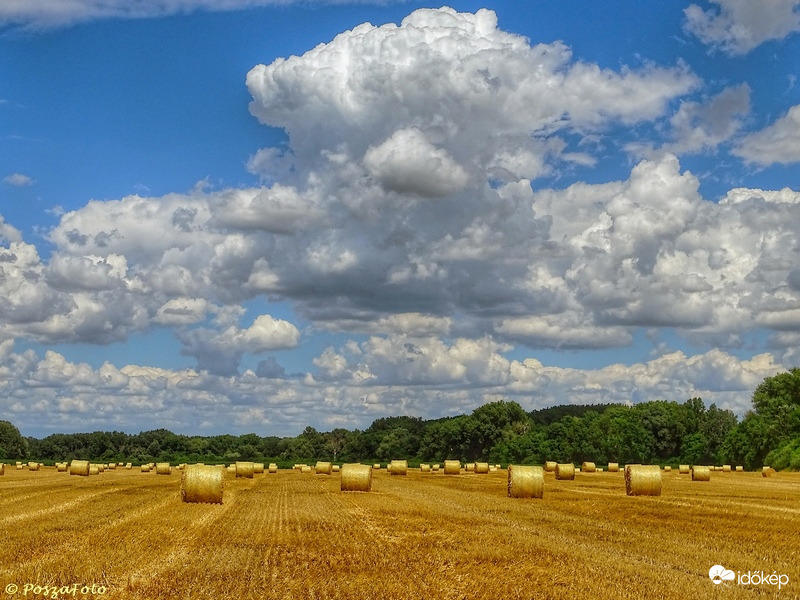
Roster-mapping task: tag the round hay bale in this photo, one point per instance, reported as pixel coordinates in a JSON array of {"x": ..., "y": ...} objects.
[
  {"x": 599, "y": 469},
  {"x": 683, "y": 469},
  {"x": 643, "y": 480},
  {"x": 565, "y": 471},
  {"x": 481, "y": 468},
  {"x": 452, "y": 467},
  {"x": 588, "y": 467},
  {"x": 273, "y": 468},
  {"x": 129, "y": 466},
  {"x": 356, "y": 478},
  {"x": 61, "y": 467},
  {"x": 492, "y": 468},
  {"x": 726, "y": 468},
  {"x": 33, "y": 466},
  {"x": 550, "y": 466},
  {"x": 258, "y": 468},
  {"x": 739, "y": 469},
  {"x": 377, "y": 466},
  {"x": 163, "y": 468},
  {"x": 701, "y": 473},
  {"x": 94, "y": 470},
  {"x": 244, "y": 469},
  {"x": 230, "y": 469},
  {"x": 202, "y": 484},
  {"x": 305, "y": 469},
  {"x": 79, "y": 467},
  {"x": 667, "y": 469},
  {"x": 335, "y": 468},
  {"x": 112, "y": 466},
  {"x": 398, "y": 467},
  {"x": 145, "y": 468},
  {"x": 20, "y": 467},
  {"x": 323, "y": 468},
  {"x": 613, "y": 467},
  {"x": 435, "y": 467},
  {"x": 767, "y": 472},
  {"x": 525, "y": 481},
  {"x": 469, "y": 468},
  {"x": 425, "y": 468}
]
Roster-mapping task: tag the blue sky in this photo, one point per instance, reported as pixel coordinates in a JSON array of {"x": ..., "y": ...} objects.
[{"x": 285, "y": 214}]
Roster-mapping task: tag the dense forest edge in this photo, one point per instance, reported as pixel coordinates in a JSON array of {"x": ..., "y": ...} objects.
[{"x": 657, "y": 432}]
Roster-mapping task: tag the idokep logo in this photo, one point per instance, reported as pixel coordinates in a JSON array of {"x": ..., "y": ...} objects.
[{"x": 720, "y": 575}]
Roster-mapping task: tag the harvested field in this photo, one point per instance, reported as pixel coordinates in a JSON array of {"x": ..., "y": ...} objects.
[{"x": 285, "y": 536}]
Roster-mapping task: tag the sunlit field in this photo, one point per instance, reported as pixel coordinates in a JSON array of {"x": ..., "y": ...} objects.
[{"x": 423, "y": 535}]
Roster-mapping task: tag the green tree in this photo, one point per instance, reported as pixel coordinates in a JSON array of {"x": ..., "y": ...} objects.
[{"x": 12, "y": 444}]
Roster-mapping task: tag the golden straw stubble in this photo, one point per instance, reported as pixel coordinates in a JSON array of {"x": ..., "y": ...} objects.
[
  {"x": 525, "y": 481},
  {"x": 565, "y": 471},
  {"x": 643, "y": 480},
  {"x": 356, "y": 477},
  {"x": 700, "y": 473},
  {"x": 202, "y": 484}
]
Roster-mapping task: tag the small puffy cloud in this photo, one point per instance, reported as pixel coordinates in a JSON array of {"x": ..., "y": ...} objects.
[
  {"x": 407, "y": 163},
  {"x": 17, "y": 180},
  {"x": 777, "y": 143},
  {"x": 697, "y": 127},
  {"x": 738, "y": 26},
  {"x": 219, "y": 352},
  {"x": 182, "y": 311}
]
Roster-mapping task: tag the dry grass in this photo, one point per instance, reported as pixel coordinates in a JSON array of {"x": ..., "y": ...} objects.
[{"x": 412, "y": 537}]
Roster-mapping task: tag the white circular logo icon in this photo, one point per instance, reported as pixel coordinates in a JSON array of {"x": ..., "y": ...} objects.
[{"x": 718, "y": 574}]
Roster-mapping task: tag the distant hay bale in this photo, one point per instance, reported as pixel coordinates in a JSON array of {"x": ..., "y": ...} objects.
[
  {"x": 767, "y": 472},
  {"x": 492, "y": 468},
  {"x": 481, "y": 468},
  {"x": 61, "y": 467},
  {"x": 112, "y": 466},
  {"x": 273, "y": 468},
  {"x": 613, "y": 467},
  {"x": 643, "y": 480},
  {"x": 129, "y": 466},
  {"x": 565, "y": 471},
  {"x": 588, "y": 467},
  {"x": 425, "y": 468},
  {"x": 163, "y": 468},
  {"x": 79, "y": 467},
  {"x": 20, "y": 467},
  {"x": 377, "y": 466},
  {"x": 599, "y": 469},
  {"x": 435, "y": 467},
  {"x": 726, "y": 468},
  {"x": 550, "y": 466},
  {"x": 100, "y": 468},
  {"x": 33, "y": 466},
  {"x": 201, "y": 484},
  {"x": 335, "y": 468},
  {"x": 145, "y": 468},
  {"x": 667, "y": 468},
  {"x": 739, "y": 469},
  {"x": 94, "y": 470},
  {"x": 258, "y": 468},
  {"x": 230, "y": 469},
  {"x": 683, "y": 469},
  {"x": 525, "y": 481},
  {"x": 701, "y": 473},
  {"x": 398, "y": 467},
  {"x": 356, "y": 478},
  {"x": 323, "y": 467},
  {"x": 469, "y": 468},
  {"x": 452, "y": 467},
  {"x": 305, "y": 469},
  {"x": 244, "y": 469}
]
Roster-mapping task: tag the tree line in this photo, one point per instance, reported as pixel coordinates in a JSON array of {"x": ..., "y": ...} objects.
[{"x": 656, "y": 432}]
